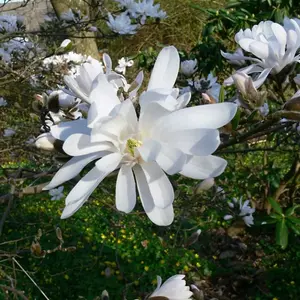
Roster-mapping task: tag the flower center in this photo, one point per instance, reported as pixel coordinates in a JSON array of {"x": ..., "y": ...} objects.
[{"x": 132, "y": 144}]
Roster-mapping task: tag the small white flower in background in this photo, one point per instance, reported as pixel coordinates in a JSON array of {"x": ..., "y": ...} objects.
[
  {"x": 121, "y": 24},
  {"x": 8, "y": 132},
  {"x": 264, "y": 110},
  {"x": 173, "y": 288},
  {"x": 245, "y": 208},
  {"x": 65, "y": 43},
  {"x": 228, "y": 217},
  {"x": 207, "y": 85},
  {"x": 297, "y": 79},
  {"x": 273, "y": 46},
  {"x": 3, "y": 102},
  {"x": 123, "y": 64},
  {"x": 248, "y": 220},
  {"x": 30, "y": 141},
  {"x": 57, "y": 194},
  {"x": 188, "y": 67},
  {"x": 146, "y": 8},
  {"x": 245, "y": 211}
]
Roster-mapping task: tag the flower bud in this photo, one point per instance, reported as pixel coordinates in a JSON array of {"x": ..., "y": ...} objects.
[
  {"x": 188, "y": 67},
  {"x": 65, "y": 43},
  {"x": 249, "y": 96},
  {"x": 45, "y": 141},
  {"x": 293, "y": 104},
  {"x": 204, "y": 185}
]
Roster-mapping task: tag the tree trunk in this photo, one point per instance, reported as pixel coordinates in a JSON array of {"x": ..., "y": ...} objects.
[{"x": 86, "y": 44}]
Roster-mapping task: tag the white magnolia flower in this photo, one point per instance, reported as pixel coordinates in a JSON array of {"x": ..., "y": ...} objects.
[
  {"x": 57, "y": 194},
  {"x": 245, "y": 211},
  {"x": 123, "y": 64},
  {"x": 274, "y": 47},
  {"x": 8, "y": 132},
  {"x": 121, "y": 24},
  {"x": 166, "y": 138},
  {"x": 188, "y": 67},
  {"x": 146, "y": 8},
  {"x": 264, "y": 110},
  {"x": 130, "y": 5},
  {"x": 3, "y": 102},
  {"x": 65, "y": 43},
  {"x": 81, "y": 83},
  {"x": 174, "y": 288}
]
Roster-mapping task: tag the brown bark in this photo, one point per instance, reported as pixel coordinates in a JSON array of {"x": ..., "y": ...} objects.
[{"x": 86, "y": 44}]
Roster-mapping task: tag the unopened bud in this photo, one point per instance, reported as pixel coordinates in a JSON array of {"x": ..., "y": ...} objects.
[
  {"x": 65, "y": 43},
  {"x": 249, "y": 96},
  {"x": 204, "y": 185},
  {"x": 293, "y": 104},
  {"x": 45, "y": 141}
]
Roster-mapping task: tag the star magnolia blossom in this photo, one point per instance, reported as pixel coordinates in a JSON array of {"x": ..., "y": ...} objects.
[
  {"x": 57, "y": 194},
  {"x": 273, "y": 45},
  {"x": 166, "y": 138},
  {"x": 174, "y": 288},
  {"x": 81, "y": 83},
  {"x": 121, "y": 24}
]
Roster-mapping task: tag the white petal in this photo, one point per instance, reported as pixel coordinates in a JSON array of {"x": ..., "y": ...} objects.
[
  {"x": 171, "y": 160},
  {"x": 125, "y": 190},
  {"x": 200, "y": 142},
  {"x": 159, "y": 216},
  {"x": 149, "y": 117},
  {"x": 165, "y": 70},
  {"x": 260, "y": 49},
  {"x": 159, "y": 185},
  {"x": 107, "y": 62},
  {"x": 72, "y": 168},
  {"x": 103, "y": 98},
  {"x": 202, "y": 167},
  {"x": 203, "y": 116},
  {"x": 184, "y": 100},
  {"x": 84, "y": 188},
  {"x": 64, "y": 129},
  {"x": 80, "y": 144},
  {"x": 75, "y": 88}
]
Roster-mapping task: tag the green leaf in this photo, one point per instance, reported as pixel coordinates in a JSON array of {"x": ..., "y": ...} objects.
[
  {"x": 275, "y": 205},
  {"x": 282, "y": 234},
  {"x": 294, "y": 227},
  {"x": 291, "y": 210},
  {"x": 294, "y": 219},
  {"x": 235, "y": 121},
  {"x": 222, "y": 94}
]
